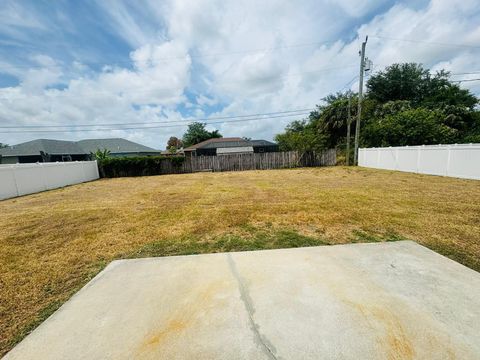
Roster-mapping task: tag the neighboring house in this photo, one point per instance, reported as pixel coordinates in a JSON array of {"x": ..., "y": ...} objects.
[
  {"x": 45, "y": 150},
  {"x": 228, "y": 146},
  {"x": 178, "y": 152},
  {"x": 118, "y": 147}
]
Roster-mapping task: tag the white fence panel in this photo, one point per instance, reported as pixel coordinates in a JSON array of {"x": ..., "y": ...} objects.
[
  {"x": 433, "y": 160},
  {"x": 386, "y": 159},
  {"x": 22, "y": 179},
  {"x": 8, "y": 185},
  {"x": 407, "y": 159},
  {"x": 29, "y": 179},
  {"x": 464, "y": 162},
  {"x": 461, "y": 161}
]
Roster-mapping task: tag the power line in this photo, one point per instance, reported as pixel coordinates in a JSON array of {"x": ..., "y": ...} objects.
[
  {"x": 149, "y": 127},
  {"x": 465, "y": 80},
  {"x": 166, "y": 59},
  {"x": 465, "y": 73},
  {"x": 286, "y": 112},
  {"x": 426, "y": 42}
]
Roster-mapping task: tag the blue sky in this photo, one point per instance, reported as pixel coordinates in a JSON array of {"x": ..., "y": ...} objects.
[{"x": 104, "y": 62}]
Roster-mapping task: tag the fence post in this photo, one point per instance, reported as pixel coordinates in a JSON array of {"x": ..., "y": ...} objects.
[
  {"x": 447, "y": 168},
  {"x": 419, "y": 152},
  {"x": 82, "y": 164},
  {"x": 15, "y": 180}
]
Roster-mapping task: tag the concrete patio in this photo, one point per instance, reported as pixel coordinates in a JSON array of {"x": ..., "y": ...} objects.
[{"x": 394, "y": 300}]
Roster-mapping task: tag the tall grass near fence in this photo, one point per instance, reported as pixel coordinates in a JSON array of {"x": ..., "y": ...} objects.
[{"x": 160, "y": 165}]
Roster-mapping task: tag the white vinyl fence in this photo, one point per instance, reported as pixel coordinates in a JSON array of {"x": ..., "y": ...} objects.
[
  {"x": 458, "y": 160},
  {"x": 22, "y": 179}
]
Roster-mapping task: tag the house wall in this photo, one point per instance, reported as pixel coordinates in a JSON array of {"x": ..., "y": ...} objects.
[
  {"x": 235, "y": 150},
  {"x": 135, "y": 154},
  {"x": 206, "y": 152},
  {"x": 264, "y": 149},
  {"x": 22, "y": 179},
  {"x": 9, "y": 160}
]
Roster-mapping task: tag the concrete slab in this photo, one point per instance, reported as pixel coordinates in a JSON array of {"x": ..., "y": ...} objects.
[{"x": 364, "y": 301}]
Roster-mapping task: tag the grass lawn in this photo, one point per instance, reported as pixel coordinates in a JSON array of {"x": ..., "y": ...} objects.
[{"x": 52, "y": 243}]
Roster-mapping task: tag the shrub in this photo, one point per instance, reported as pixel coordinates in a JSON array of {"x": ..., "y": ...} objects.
[{"x": 140, "y": 166}]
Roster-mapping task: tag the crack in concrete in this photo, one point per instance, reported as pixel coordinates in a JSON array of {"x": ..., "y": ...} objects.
[{"x": 267, "y": 347}]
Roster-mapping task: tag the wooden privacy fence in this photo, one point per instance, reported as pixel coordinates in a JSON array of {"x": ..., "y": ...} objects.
[
  {"x": 260, "y": 161},
  {"x": 234, "y": 162}
]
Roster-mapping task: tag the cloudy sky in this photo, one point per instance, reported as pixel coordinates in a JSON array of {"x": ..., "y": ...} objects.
[{"x": 67, "y": 66}]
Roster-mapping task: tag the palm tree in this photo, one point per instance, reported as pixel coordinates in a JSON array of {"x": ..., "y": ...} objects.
[{"x": 101, "y": 154}]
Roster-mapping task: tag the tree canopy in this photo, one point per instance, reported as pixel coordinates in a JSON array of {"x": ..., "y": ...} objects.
[
  {"x": 174, "y": 143},
  {"x": 404, "y": 105},
  {"x": 2, "y": 145},
  {"x": 197, "y": 132}
]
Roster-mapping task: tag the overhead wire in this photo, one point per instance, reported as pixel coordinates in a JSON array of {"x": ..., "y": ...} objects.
[
  {"x": 149, "y": 127},
  {"x": 292, "y": 112}
]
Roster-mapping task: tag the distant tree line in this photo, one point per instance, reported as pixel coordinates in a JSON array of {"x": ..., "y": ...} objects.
[{"x": 404, "y": 105}]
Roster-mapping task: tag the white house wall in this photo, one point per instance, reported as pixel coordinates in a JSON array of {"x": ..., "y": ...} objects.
[{"x": 234, "y": 150}]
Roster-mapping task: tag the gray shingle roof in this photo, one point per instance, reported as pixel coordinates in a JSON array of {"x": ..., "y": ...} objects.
[
  {"x": 262, "y": 143},
  {"x": 114, "y": 145},
  {"x": 53, "y": 147},
  {"x": 228, "y": 142}
]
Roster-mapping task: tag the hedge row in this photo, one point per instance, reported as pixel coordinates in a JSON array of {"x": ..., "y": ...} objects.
[{"x": 140, "y": 166}]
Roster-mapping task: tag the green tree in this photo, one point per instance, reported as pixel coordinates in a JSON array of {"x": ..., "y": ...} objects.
[
  {"x": 330, "y": 118},
  {"x": 101, "y": 154},
  {"x": 173, "y": 144},
  {"x": 404, "y": 105},
  {"x": 2, "y": 145},
  {"x": 197, "y": 133},
  {"x": 300, "y": 135},
  {"x": 418, "y": 126},
  {"x": 411, "y": 82}
]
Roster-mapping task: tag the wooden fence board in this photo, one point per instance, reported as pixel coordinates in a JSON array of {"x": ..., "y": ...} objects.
[{"x": 258, "y": 161}]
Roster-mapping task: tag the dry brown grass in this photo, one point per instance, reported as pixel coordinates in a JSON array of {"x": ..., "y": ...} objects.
[{"x": 52, "y": 243}]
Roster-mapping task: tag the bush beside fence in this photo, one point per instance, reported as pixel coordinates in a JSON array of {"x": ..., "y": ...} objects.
[
  {"x": 141, "y": 166},
  {"x": 160, "y": 165}
]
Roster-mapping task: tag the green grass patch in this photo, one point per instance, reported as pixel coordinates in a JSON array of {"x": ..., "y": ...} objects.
[
  {"x": 249, "y": 238},
  {"x": 360, "y": 236}
]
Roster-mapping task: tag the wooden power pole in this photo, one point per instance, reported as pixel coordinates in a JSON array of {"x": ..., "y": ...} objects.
[
  {"x": 360, "y": 97},
  {"x": 349, "y": 121}
]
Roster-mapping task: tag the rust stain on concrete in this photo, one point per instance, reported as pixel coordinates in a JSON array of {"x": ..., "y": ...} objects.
[
  {"x": 172, "y": 328},
  {"x": 182, "y": 318},
  {"x": 397, "y": 341},
  {"x": 389, "y": 319}
]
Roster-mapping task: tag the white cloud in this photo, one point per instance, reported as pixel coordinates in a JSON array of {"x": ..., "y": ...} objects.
[{"x": 207, "y": 48}]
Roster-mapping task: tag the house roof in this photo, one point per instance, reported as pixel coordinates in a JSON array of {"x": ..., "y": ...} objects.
[
  {"x": 213, "y": 143},
  {"x": 83, "y": 147},
  {"x": 114, "y": 145},
  {"x": 228, "y": 142},
  {"x": 262, "y": 143},
  {"x": 53, "y": 147}
]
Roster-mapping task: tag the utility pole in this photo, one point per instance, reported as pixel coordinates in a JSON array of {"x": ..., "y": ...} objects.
[
  {"x": 349, "y": 120},
  {"x": 360, "y": 96}
]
